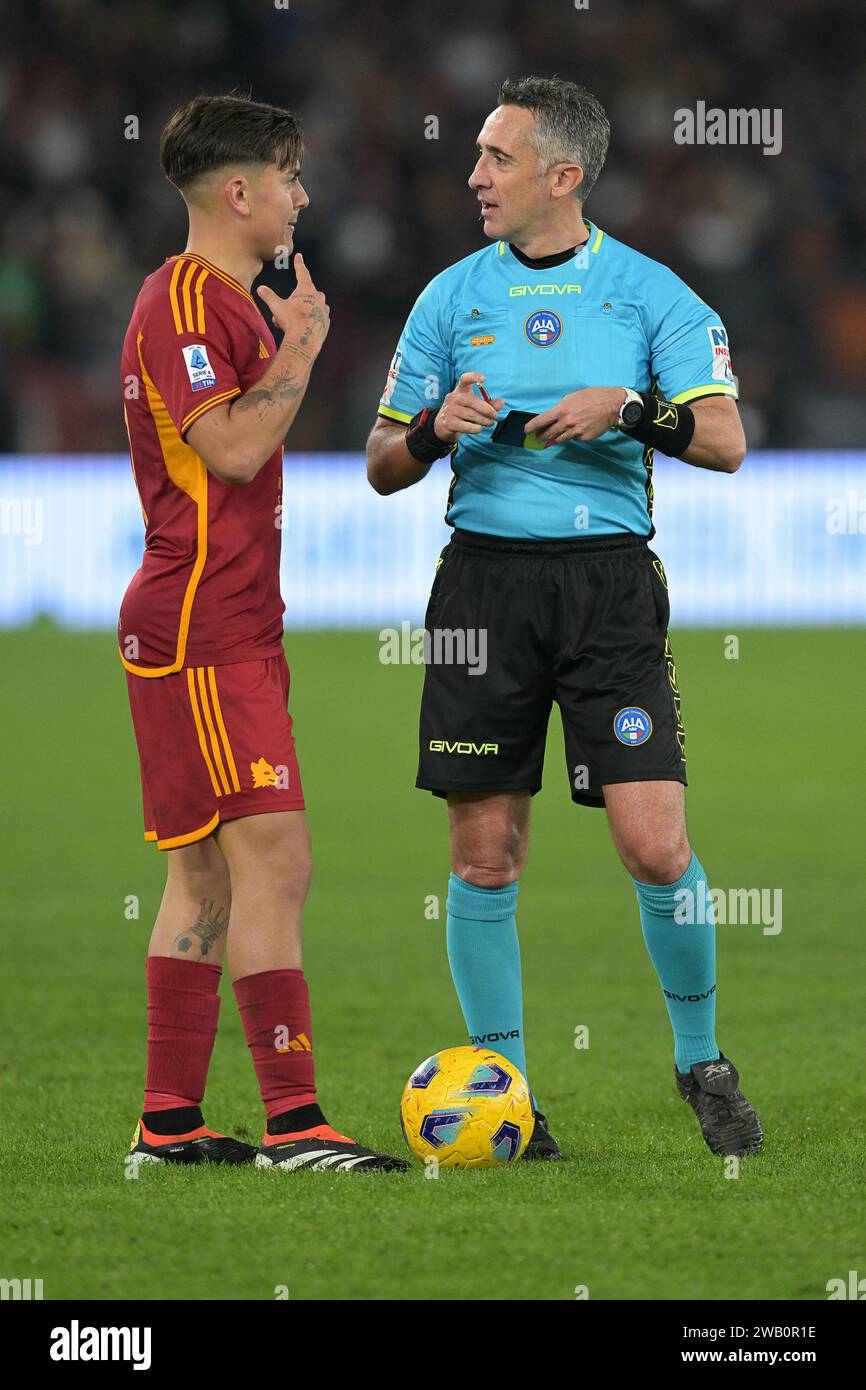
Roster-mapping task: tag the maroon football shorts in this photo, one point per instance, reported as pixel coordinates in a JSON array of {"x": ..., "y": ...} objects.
[{"x": 215, "y": 743}]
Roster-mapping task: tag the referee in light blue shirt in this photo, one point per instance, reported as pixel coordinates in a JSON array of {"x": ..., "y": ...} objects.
[{"x": 551, "y": 365}]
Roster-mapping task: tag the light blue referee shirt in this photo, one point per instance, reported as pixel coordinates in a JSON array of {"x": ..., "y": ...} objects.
[{"x": 603, "y": 316}]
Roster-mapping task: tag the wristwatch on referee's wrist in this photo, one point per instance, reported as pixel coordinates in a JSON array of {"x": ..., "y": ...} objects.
[{"x": 631, "y": 411}]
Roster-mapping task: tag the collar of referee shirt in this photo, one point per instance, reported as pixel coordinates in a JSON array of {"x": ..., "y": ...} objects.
[{"x": 545, "y": 262}]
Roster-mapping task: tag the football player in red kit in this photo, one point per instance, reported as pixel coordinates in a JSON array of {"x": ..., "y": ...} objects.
[{"x": 209, "y": 399}]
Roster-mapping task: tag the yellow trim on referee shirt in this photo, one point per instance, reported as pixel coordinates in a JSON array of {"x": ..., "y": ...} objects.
[
  {"x": 599, "y": 237},
  {"x": 399, "y": 415},
  {"x": 684, "y": 396}
]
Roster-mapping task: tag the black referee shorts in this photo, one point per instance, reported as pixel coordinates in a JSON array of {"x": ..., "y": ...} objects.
[{"x": 513, "y": 626}]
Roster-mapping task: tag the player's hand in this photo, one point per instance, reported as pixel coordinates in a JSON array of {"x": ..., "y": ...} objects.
[
  {"x": 581, "y": 415},
  {"x": 304, "y": 318},
  {"x": 463, "y": 411}
]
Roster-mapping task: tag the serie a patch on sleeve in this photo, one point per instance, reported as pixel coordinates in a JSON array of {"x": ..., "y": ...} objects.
[{"x": 201, "y": 373}]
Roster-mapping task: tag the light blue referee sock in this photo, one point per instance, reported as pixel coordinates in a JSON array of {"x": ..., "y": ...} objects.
[
  {"x": 684, "y": 955},
  {"x": 484, "y": 955}
]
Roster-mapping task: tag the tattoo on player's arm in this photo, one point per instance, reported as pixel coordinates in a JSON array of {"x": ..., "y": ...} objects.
[
  {"x": 295, "y": 350},
  {"x": 211, "y": 923},
  {"x": 283, "y": 388}
]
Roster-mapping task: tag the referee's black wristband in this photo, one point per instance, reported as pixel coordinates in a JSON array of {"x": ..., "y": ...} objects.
[
  {"x": 663, "y": 425},
  {"x": 422, "y": 441}
]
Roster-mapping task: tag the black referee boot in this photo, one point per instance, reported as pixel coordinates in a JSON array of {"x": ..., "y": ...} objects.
[
  {"x": 541, "y": 1142},
  {"x": 728, "y": 1122}
]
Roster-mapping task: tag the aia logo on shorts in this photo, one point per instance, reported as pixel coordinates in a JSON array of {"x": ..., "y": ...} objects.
[
  {"x": 632, "y": 725},
  {"x": 543, "y": 328}
]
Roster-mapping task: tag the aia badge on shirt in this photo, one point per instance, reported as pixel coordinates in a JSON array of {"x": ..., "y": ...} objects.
[
  {"x": 543, "y": 328},
  {"x": 201, "y": 373},
  {"x": 632, "y": 725}
]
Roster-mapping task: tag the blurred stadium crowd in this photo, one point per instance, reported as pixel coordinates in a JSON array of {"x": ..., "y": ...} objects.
[{"x": 775, "y": 243}]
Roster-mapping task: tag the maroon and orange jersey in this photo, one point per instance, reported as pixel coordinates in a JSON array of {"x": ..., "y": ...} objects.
[{"x": 208, "y": 590}]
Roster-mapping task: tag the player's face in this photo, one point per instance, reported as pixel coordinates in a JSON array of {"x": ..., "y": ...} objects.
[
  {"x": 277, "y": 198},
  {"x": 513, "y": 195}
]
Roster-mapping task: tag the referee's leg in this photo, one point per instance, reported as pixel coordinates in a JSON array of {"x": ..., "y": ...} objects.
[
  {"x": 489, "y": 836},
  {"x": 648, "y": 825},
  {"x": 489, "y": 840}
]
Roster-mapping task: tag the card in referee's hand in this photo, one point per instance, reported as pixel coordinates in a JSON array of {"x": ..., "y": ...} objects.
[{"x": 511, "y": 430}]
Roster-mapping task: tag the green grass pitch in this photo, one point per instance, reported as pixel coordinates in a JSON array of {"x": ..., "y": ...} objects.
[{"x": 641, "y": 1209}]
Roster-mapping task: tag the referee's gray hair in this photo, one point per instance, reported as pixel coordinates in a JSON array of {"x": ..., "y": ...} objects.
[{"x": 571, "y": 125}]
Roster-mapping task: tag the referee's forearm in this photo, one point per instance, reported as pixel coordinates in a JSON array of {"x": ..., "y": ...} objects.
[
  {"x": 390, "y": 466},
  {"x": 718, "y": 442},
  {"x": 718, "y": 456}
]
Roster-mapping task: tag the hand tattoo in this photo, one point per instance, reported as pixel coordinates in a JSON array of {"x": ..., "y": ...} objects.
[{"x": 316, "y": 322}]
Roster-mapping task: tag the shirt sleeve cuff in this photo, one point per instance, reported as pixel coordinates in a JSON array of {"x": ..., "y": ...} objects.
[
  {"x": 204, "y": 406},
  {"x": 399, "y": 415},
  {"x": 683, "y": 397}
]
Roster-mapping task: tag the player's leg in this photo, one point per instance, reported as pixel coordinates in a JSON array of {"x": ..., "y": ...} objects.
[
  {"x": 183, "y": 970},
  {"x": 193, "y": 916},
  {"x": 264, "y": 838},
  {"x": 648, "y": 825},
  {"x": 186, "y": 946},
  {"x": 270, "y": 865}
]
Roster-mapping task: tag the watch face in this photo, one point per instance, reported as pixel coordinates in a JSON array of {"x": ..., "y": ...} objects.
[{"x": 632, "y": 412}]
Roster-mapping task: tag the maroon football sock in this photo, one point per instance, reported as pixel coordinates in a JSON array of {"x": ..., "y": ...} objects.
[
  {"x": 182, "y": 1011},
  {"x": 275, "y": 1009}
]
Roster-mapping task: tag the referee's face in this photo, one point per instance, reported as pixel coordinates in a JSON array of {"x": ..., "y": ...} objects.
[{"x": 515, "y": 199}]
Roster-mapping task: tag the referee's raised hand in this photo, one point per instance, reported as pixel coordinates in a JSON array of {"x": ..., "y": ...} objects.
[{"x": 463, "y": 411}]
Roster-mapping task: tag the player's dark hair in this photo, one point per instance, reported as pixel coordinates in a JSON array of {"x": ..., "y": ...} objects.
[
  {"x": 571, "y": 125},
  {"x": 210, "y": 132}
]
